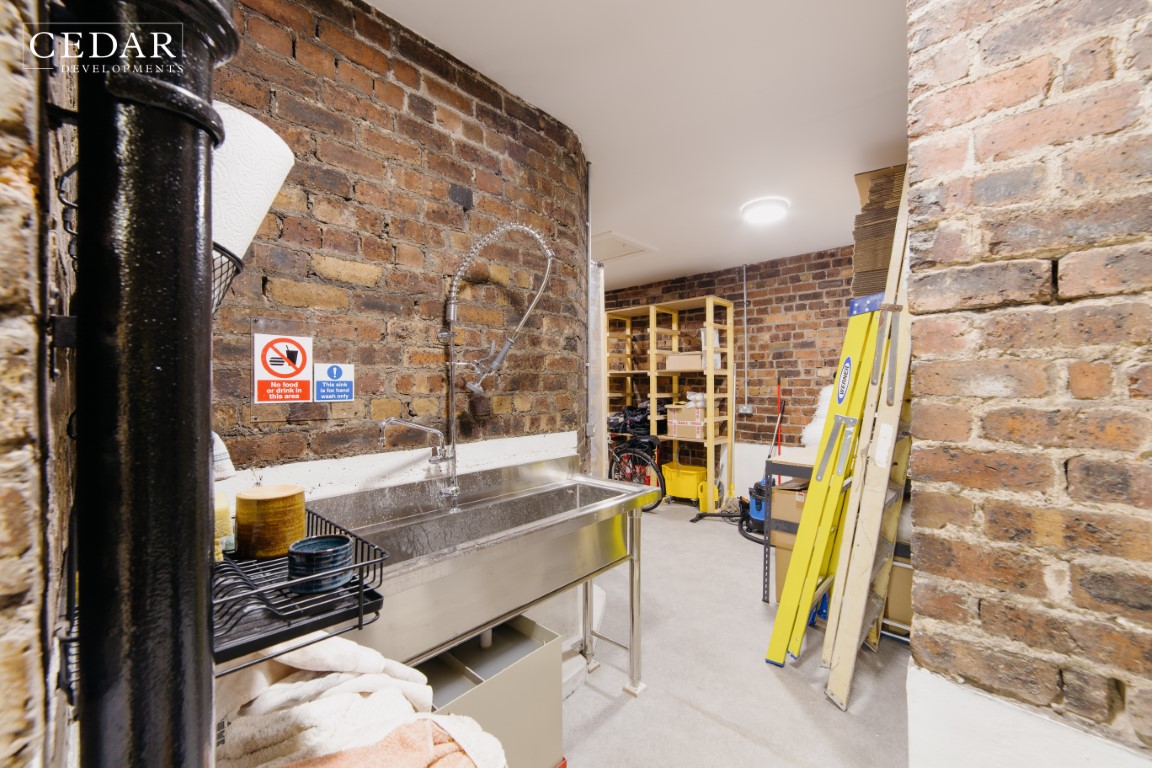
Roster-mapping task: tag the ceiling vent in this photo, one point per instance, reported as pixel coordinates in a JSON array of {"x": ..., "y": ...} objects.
[{"x": 609, "y": 246}]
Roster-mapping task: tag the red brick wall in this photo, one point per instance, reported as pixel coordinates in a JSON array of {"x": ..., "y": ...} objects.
[
  {"x": 23, "y": 663},
  {"x": 797, "y": 313},
  {"x": 363, "y": 239},
  {"x": 1031, "y": 171}
]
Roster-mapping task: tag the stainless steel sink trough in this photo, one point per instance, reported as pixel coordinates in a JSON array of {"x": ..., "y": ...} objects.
[{"x": 517, "y": 536}]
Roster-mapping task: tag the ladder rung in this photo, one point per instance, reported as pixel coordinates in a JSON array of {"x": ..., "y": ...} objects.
[
  {"x": 822, "y": 587},
  {"x": 895, "y": 492},
  {"x": 884, "y": 552},
  {"x": 871, "y": 615}
]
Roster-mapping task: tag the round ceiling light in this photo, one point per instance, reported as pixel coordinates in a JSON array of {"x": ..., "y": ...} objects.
[{"x": 764, "y": 210}]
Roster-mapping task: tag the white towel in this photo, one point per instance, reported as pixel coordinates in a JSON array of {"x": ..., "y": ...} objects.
[
  {"x": 339, "y": 654},
  {"x": 296, "y": 689},
  {"x": 418, "y": 695},
  {"x": 235, "y": 690},
  {"x": 326, "y": 725},
  {"x": 326, "y": 697}
]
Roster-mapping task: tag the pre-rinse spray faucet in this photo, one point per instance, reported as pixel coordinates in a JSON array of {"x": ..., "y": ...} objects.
[{"x": 486, "y": 366}]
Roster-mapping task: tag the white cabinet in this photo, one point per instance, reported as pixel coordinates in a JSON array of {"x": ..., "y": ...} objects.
[{"x": 513, "y": 689}]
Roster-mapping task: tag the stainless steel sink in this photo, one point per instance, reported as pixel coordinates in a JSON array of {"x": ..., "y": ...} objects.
[
  {"x": 518, "y": 535},
  {"x": 479, "y": 521}
]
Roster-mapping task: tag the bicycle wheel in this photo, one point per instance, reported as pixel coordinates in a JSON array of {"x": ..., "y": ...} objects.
[{"x": 635, "y": 466}]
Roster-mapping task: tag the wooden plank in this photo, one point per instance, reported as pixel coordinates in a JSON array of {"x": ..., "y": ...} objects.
[
  {"x": 872, "y": 401},
  {"x": 886, "y": 462}
]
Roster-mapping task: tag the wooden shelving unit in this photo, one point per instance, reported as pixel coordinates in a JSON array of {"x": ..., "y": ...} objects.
[{"x": 639, "y": 340}]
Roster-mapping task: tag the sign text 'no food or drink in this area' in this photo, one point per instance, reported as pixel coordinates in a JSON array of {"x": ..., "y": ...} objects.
[{"x": 282, "y": 368}]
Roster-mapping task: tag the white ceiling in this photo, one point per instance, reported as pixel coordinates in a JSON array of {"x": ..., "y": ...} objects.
[{"x": 686, "y": 110}]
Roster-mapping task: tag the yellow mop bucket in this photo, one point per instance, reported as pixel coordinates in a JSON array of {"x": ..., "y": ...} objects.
[{"x": 687, "y": 482}]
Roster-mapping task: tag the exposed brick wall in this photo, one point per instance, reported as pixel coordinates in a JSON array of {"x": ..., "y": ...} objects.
[
  {"x": 797, "y": 313},
  {"x": 21, "y": 579},
  {"x": 362, "y": 241},
  {"x": 1031, "y": 214}
]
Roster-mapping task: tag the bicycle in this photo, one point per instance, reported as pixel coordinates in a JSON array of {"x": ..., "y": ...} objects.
[{"x": 635, "y": 459}]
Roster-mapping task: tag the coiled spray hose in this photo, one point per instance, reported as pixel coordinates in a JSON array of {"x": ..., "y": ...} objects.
[{"x": 451, "y": 309}]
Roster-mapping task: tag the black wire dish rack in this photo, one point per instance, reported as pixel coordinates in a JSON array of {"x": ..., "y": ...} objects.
[
  {"x": 225, "y": 266},
  {"x": 254, "y": 607}
]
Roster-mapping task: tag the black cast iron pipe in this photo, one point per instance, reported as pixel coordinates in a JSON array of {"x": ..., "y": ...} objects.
[{"x": 143, "y": 399}]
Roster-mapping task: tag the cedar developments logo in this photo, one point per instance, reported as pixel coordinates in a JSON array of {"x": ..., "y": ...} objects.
[{"x": 105, "y": 47}]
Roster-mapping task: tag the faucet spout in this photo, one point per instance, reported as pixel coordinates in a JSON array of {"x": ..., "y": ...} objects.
[{"x": 441, "y": 453}]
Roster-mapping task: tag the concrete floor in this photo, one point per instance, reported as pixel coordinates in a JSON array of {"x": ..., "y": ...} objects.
[{"x": 710, "y": 699}]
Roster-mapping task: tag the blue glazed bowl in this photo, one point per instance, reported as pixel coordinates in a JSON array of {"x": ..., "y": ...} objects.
[{"x": 319, "y": 556}]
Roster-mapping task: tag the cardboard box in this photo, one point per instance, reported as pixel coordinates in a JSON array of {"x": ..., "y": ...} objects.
[
  {"x": 787, "y": 507},
  {"x": 687, "y": 430},
  {"x": 686, "y": 413},
  {"x": 684, "y": 361},
  {"x": 899, "y": 607}
]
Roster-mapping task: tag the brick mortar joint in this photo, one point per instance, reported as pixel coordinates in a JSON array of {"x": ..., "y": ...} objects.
[
  {"x": 1120, "y": 30},
  {"x": 990, "y": 641},
  {"x": 981, "y": 444},
  {"x": 1047, "y": 556},
  {"x": 1058, "y": 497},
  {"x": 1118, "y": 357},
  {"x": 1106, "y": 302},
  {"x": 935, "y": 6},
  {"x": 977, "y": 538},
  {"x": 975, "y": 217},
  {"x": 978, "y": 407},
  {"x": 1024, "y": 157}
]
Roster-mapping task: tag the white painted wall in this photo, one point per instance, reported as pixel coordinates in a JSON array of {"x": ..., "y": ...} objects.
[
  {"x": 956, "y": 726},
  {"x": 748, "y": 468}
]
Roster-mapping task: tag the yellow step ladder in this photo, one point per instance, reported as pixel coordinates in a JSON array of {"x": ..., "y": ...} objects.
[
  {"x": 810, "y": 572},
  {"x": 830, "y": 511}
]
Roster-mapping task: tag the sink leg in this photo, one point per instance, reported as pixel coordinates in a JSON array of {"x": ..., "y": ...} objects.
[
  {"x": 588, "y": 650},
  {"x": 634, "y": 685}
]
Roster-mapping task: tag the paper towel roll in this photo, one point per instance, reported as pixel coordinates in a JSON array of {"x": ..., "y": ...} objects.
[{"x": 247, "y": 172}]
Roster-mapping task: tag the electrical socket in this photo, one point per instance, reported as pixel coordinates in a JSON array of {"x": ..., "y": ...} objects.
[{"x": 744, "y": 409}]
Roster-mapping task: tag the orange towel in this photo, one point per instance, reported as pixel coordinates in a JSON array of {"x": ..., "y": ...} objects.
[{"x": 418, "y": 744}]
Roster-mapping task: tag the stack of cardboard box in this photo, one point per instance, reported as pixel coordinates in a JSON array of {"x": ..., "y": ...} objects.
[
  {"x": 687, "y": 421},
  {"x": 786, "y": 510},
  {"x": 875, "y": 228}
]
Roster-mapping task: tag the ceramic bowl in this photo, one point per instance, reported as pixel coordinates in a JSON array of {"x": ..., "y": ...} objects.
[{"x": 321, "y": 556}]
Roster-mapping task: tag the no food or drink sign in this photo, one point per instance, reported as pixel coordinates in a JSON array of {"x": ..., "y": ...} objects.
[{"x": 282, "y": 368}]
